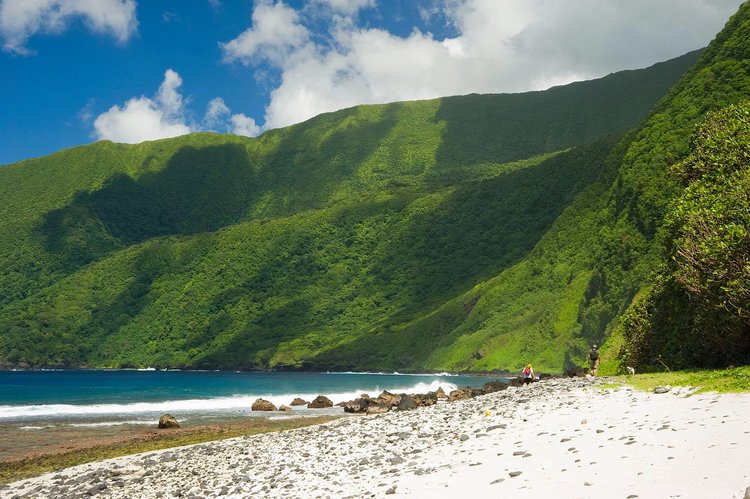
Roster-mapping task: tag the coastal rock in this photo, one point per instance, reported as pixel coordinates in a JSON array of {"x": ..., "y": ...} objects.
[
  {"x": 378, "y": 408},
  {"x": 355, "y": 406},
  {"x": 441, "y": 395},
  {"x": 425, "y": 400},
  {"x": 406, "y": 403},
  {"x": 662, "y": 389},
  {"x": 298, "y": 401},
  {"x": 460, "y": 394},
  {"x": 168, "y": 421},
  {"x": 285, "y": 408},
  {"x": 388, "y": 399},
  {"x": 494, "y": 386},
  {"x": 263, "y": 405},
  {"x": 320, "y": 402}
]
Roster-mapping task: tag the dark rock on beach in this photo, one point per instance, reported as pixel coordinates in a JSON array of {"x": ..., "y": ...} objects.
[
  {"x": 388, "y": 398},
  {"x": 356, "y": 406},
  {"x": 424, "y": 400},
  {"x": 407, "y": 403},
  {"x": 168, "y": 421},
  {"x": 460, "y": 394},
  {"x": 320, "y": 402},
  {"x": 263, "y": 405},
  {"x": 494, "y": 386},
  {"x": 298, "y": 401}
]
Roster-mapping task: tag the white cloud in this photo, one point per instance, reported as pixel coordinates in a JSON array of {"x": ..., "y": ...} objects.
[
  {"x": 347, "y": 8},
  {"x": 22, "y": 19},
  {"x": 501, "y": 46},
  {"x": 244, "y": 125},
  {"x": 165, "y": 115},
  {"x": 276, "y": 32},
  {"x": 143, "y": 118},
  {"x": 216, "y": 112}
]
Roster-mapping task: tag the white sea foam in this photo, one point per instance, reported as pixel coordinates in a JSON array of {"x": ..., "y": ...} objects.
[
  {"x": 112, "y": 423},
  {"x": 237, "y": 403}
]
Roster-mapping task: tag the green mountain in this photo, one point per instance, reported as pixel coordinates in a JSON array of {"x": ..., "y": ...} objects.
[{"x": 473, "y": 232}]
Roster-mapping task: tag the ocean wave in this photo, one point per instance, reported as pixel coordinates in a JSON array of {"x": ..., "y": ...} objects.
[{"x": 236, "y": 403}]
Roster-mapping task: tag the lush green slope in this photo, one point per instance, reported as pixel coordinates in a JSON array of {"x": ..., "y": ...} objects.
[
  {"x": 583, "y": 274},
  {"x": 698, "y": 311},
  {"x": 446, "y": 233}
]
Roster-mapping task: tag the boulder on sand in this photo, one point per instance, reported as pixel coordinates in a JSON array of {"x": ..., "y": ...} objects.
[
  {"x": 406, "y": 403},
  {"x": 357, "y": 405},
  {"x": 460, "y": 394},
  {"x": 320, "y": 402},
  {"x": 285, "y": 408},
  {"x": 388, "y": 398},
  {"x": 424, "y": 400},
  {"x": 263, "y": 405},
  {"x": 298, "y": 401},
  {"x": 378, "y": 408},
  {"x": 441, "y": 393},
  {"x": 168, "y": 421},
  {"x": 494, "y": 386}
]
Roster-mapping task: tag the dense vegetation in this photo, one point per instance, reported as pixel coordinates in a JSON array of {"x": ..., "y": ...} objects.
[
  {"x": 474, "y": 232},
  {"x": 697, "y": 311}
]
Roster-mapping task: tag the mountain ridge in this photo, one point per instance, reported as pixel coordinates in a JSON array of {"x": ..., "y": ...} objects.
[{"x": 334, "y": 243}]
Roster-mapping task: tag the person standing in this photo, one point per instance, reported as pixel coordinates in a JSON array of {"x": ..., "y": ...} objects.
[
  {"x": 528, "y": 374},
  {"x": 593, "y": 360}
]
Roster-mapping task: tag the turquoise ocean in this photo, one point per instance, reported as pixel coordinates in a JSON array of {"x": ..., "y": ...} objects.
[{"x": 93, "y": 398}]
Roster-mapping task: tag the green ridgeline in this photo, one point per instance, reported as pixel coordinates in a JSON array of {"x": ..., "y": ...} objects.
[{"x": 461, "y": 233}]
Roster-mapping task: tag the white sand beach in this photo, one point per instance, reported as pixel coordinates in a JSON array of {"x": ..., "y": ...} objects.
[{"x": 557, "y": 438}]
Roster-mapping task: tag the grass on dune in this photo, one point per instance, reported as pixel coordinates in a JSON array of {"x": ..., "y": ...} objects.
[{"x": 732, "y": 380}]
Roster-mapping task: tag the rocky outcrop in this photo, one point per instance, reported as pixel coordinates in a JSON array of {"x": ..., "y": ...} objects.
[
  {"x": 378, "y": 408},
  {"x": 427, "y": 399},
  {"x": 168, "y": 421},
  {"x": 320, "y": 402},
  {"x": 460, "y": 394},
  {"x": 285, "y": 408},
  {"x": 441, "y": 395},
  {"x": 263, "y": 405},
  {"x": 298, "y": 401},
  {"x": 388, "y": 398},
  {"x": 494, "y": 386},
  {"x": 406, "y": 403},
  {"x": 357, "y": 406}
]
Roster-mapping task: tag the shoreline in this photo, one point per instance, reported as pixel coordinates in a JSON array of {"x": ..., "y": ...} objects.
[
  {"x": 42, "y": 459},
  {"x": 573, "y": 436}
]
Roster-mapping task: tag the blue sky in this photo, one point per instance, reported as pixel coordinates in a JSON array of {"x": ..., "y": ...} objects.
[{"x": 75, "y": 71}]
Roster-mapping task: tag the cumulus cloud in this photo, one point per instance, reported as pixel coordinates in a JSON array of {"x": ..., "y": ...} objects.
[
  {"x": 244, "y": 125},
  {"x": 501, "y": 46},
  {"x": 216, "y": 113},
  {"x": 143, "y": 118},
  {"x": 276, "y": 33},
  {"x": 22, "y": 19},
  {"x": 347, "y": 8},
  {"x": 166, "y": 115}
]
